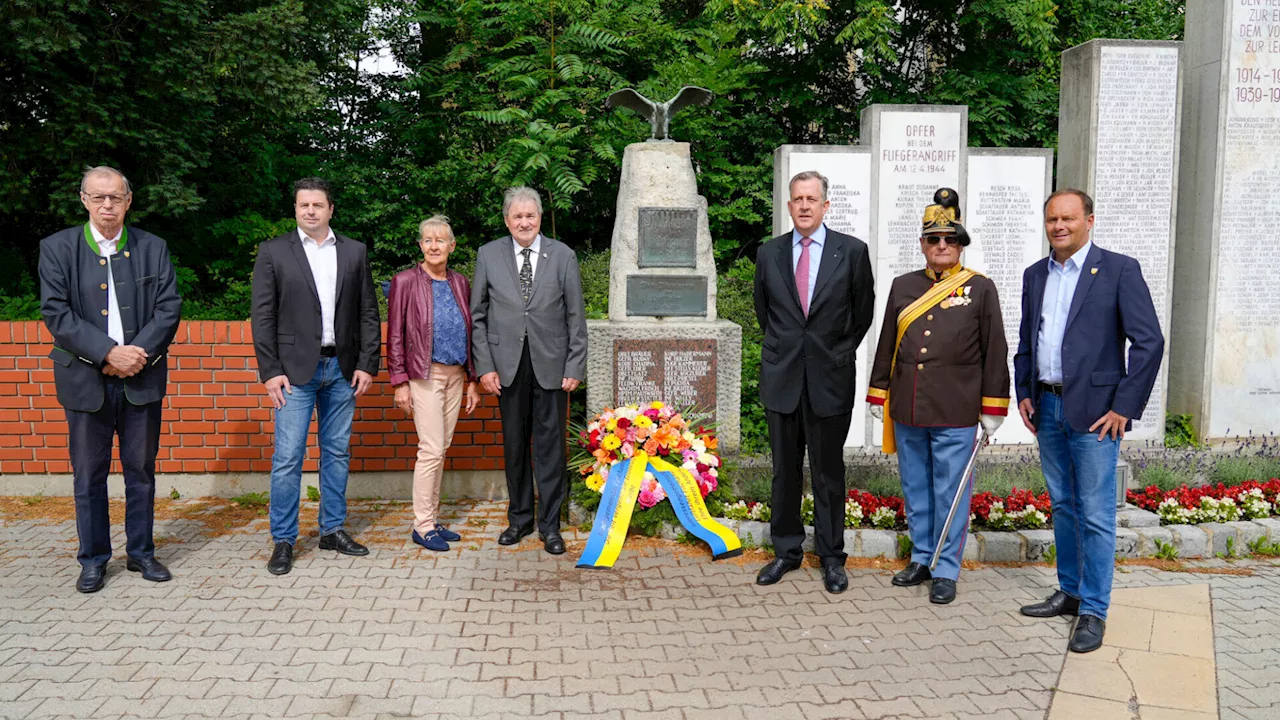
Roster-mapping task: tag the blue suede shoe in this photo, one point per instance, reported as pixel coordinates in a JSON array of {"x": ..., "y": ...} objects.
[
  {"x": 432, "y": 541},
  {"x": 447, "y": 534}
]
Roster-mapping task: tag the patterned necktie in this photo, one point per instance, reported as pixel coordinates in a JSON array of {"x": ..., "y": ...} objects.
[
  {"x": 526, "y": 275},
  {"x": 802, "y": 275}
]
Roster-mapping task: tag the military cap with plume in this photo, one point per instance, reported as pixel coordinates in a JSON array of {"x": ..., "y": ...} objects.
[{"x": 943, "y": 216}]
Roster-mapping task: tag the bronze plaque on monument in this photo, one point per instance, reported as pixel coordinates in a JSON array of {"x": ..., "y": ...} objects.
[
  {"x": 666, "y": 295},
  {"x": 668, "y": 237},
  {"x": 681, "y": 373}
]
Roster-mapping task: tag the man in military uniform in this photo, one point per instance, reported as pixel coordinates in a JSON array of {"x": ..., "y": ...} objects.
[
  {"x": 941, "y": 367},
  {"x": 109, "y": 297}
]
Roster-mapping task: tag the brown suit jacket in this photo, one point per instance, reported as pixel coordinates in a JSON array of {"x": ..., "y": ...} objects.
[{"x": 953, "y": 363}]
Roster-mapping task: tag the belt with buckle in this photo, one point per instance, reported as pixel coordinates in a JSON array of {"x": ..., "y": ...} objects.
[
  {"x": 328, "y": 351},
  {"x": 1051, "y": 388}
]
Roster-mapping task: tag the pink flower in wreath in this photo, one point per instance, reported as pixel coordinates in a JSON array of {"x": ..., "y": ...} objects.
[
  {"x": 628, "y": 449},
  {"x": 647, "y": 499},
  {"x": 653, "y": 414}
]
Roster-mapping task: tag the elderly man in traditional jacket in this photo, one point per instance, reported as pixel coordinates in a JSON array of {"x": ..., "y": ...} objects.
[
  {"x": 941, "y": 367},
  {"x": 109, "y": 297}
]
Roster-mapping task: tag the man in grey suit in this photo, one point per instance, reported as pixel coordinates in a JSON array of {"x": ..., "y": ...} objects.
[
  {"x": 529, "y": 343},
  {"x": 109, "y": 296}
]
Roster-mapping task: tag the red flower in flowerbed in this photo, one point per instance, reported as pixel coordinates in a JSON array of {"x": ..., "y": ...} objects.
[
  {"x": 1017, "y": 501},
  {"x": 870, "y": 503},
  {"x": 1150, "y": 497}
]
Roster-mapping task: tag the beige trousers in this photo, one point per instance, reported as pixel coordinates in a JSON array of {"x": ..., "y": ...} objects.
[{"x": 436, "y": 402}]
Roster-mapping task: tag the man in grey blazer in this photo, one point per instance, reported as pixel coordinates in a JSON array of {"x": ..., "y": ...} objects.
[
  {"x": 529, "y": 343},
  {"x": 109, "y": 296}
]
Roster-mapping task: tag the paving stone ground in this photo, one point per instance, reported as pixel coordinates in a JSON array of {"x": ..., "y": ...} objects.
[{"x": 484, "y": 631}]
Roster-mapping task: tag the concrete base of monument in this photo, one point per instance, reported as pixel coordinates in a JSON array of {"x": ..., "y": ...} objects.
[
  {"x": 474, "y": 484},
  {"x": 678, "y": 361}
]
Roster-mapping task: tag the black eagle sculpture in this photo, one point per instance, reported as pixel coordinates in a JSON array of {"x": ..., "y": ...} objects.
[{"x": 658, "y": 115}]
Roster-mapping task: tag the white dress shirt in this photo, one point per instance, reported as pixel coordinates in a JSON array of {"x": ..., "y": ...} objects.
[
  {"x": 323, "y": 259},
  {"x": 536, "y": 247},
  {"x": 819, "y": 238},
  {"x": 1059, "y": 289},
  {"x": 107, "y": 248}
]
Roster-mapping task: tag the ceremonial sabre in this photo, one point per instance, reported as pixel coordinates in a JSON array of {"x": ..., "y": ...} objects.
[{"x": 955, "y": 504}]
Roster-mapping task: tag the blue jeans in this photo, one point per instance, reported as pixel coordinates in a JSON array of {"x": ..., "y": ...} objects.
[
  {"x": 1081, "y": 473},
  {"x": 930, "y": 460},
  {"x": 332, "y": 397}
]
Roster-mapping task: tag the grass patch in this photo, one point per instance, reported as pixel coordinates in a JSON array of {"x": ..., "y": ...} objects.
[{"x": 252, "y": 499}]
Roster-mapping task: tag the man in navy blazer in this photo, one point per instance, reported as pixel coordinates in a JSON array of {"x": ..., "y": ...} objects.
[{"x": 1079, "y": 306}]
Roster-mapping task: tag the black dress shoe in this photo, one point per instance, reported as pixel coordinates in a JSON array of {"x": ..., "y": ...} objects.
[
  {"x": 942, "y": 591},
  {"x": 553, "y": 544},
  {"x": 281, "y": 561},
  {"x": 835, "y": 579},
  {"x": 342, "y": 542},
  {"x": 513, "y": 534},
  {"x": 1088, "y": 634},
  {"x": 773, "y": 572},
  {"x": 92, "y": 578},
  {"x": 913, "y": 574},
  {"x": 151, "y": 569},
  {"x": 1059, "y": 603}
]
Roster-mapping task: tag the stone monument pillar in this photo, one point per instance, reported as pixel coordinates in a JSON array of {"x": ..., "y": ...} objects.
[
  {"x": 1118, "y": 133},
  {"x": 848, "y": 171},
  {"x": 1225, "y": 344},
  {"x": 915, "y": 149},
  {"x": 662, "y": 340},
  {"x": 1004, "y": 217}
]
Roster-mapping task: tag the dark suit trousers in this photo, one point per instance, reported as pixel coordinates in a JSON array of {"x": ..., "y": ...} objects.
[
  {"x": 531, "y": 413},
  {"x": 91, "y": 438},
  {"x": 789, "y": 434}
]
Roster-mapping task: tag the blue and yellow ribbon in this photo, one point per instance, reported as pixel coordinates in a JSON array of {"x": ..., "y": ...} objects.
[{"x": 618, "y": 499}]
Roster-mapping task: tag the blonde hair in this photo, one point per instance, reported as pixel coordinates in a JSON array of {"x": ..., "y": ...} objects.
[{"x": 435, "y": 221}]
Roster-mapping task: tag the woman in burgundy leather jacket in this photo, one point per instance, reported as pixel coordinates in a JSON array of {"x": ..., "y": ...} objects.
[{"x": 429, "y": 356}]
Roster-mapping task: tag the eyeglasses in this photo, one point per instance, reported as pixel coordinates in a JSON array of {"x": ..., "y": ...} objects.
[
  {"x": 948, "y": 239},
  {"x": 102, "y": 199}
]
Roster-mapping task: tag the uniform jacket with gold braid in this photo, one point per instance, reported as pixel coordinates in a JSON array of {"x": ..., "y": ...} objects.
[{"x": 953, "y": 362}]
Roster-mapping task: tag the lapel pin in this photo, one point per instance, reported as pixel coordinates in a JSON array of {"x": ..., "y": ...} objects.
[
  {"x": 1094, "y": 271},
  {"x": 126, "y": 253},
  {"x": 544, "y": 255}
]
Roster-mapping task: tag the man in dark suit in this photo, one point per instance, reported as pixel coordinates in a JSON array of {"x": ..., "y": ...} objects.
[
  {"x": 813, "y": 296},
  {"x": 318, "y": 340},
  {"x": 1074, "y": 392},
  {"x": 529, "y": 343},
  {"x": 110, "y": 299}
]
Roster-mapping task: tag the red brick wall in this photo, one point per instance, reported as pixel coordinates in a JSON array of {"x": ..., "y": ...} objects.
[{"x": 216, "y": 415}]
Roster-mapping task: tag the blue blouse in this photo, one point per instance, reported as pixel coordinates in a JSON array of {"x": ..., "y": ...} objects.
[{"x": 449, "y": 333}]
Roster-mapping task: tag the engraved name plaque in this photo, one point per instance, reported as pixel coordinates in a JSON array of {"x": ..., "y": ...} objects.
[
  {"x": 666, "y": 295},
  {"x": 681, "y": 373},
  {"x": 668, "y": 237}
]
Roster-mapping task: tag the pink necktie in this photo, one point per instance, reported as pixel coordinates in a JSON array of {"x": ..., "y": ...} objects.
[{"x": 802, "y": 275}]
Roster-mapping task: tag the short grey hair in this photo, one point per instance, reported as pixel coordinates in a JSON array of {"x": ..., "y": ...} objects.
[
  {"x": 104, "y": 170},
  {"x": 520, "y": 193},
  {"x": 435, "y": 221},
  {"x": 809, "y": 175}
]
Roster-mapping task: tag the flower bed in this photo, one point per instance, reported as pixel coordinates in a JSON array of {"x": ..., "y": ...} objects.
[
  {"x": 1186, "y": 505},
  {"x": 1020, "y": 510}
]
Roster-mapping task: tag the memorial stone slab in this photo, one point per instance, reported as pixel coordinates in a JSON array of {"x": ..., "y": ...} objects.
[
  {"x": 1226, "y": 342},
  {"x": 848, "y": 172},
  {"x": 915, "y": 149},
  {"x": 680, "y": 373},
  {"x": 667, "y": 295},
  {"x": 1118, "y": 135},
  {"x": 668, "y": 237},
  {"x": 1004, "y": 218}
]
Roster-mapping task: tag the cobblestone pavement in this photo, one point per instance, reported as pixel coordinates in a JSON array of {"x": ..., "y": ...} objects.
[{"x": 484, "y": 631}]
